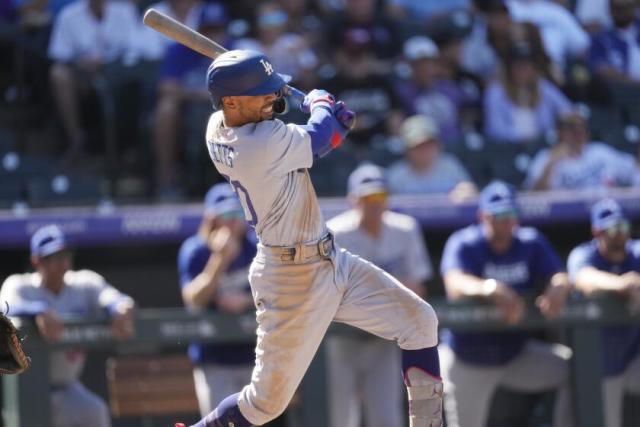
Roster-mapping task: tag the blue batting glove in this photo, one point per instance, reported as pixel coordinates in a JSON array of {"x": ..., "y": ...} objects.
[
  {"x": 345, "y": 117},
  {"x": 317, "y": 98}
]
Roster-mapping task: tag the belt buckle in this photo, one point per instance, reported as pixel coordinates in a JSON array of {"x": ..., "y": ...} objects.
[
  {"x": 288, "y": 254},
  {"x": 325, "y": 246}
]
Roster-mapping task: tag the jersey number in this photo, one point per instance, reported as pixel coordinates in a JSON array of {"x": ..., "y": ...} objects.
[{"x": 245, "y": 201}]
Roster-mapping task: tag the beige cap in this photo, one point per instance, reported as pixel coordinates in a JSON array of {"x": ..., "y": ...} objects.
[{"x": 418, "y": 129}]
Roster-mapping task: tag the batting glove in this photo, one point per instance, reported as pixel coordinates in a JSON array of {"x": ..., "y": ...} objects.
[
  {"x": 317, "y": 98},
  {"x": 345, "y": 117}
]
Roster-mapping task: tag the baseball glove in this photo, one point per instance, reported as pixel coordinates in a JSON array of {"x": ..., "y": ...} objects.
[{"x": 12, "y": 357}]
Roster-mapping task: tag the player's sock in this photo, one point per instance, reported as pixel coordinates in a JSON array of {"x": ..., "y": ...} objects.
[
  {"x": 226, "y": 414},
  {"x": 421, "y": 369}
]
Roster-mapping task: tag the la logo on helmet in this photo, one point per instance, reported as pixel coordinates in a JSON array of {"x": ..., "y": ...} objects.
[{"x": 268, "y": 68}]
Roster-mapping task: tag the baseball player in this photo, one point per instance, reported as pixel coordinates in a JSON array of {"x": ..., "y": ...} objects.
[
  {"x": 301, "y": 281},
  {"x": 213, "y": 266},
  {"x": 55, "y": 290},
  {"x": 394, "y": 242},
  {"x": 499, "y": 261},
  {"x": 608, "y": 263}
]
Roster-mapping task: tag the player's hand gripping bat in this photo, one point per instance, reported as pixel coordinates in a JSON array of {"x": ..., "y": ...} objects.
[{"x": 196, "y": 41}]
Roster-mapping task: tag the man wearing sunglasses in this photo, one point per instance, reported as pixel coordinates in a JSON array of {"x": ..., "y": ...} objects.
[
  {"x": 608, "y": 264},
  {"x": 361, "y": 366},
  {"x": 55, "y": 290},
  {"x": 213, "y": 267},
  {"x": 498, "y": 261}
]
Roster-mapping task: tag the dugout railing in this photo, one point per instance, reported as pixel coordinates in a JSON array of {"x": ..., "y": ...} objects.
[{"x": 26, "y": 396}]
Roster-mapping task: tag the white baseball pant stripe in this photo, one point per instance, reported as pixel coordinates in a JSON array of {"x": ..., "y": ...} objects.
[
  {"x": 468, "y": 389},
  {"x": 296, "y": 304},
  {"x": 613, "y": 390},
  {"x": 214, "y": 382}
]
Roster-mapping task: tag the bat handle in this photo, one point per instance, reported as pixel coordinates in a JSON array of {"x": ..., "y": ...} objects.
[{"x": 295, "y": 96}]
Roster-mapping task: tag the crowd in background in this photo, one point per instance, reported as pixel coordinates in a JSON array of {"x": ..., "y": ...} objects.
[{"x": 449, "y": 94}]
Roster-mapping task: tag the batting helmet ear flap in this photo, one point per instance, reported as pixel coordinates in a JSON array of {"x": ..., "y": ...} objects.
[{"x": 281, "y": 106}]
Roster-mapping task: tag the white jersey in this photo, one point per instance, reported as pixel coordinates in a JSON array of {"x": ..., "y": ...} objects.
[
  {"x": 85, "y": 294},
  {"x": 266, "y": 164},
  {"x": 400, "y": 250}
]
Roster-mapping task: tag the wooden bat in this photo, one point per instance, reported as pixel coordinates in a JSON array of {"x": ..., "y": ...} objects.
[{"x": 194, "y": 40}]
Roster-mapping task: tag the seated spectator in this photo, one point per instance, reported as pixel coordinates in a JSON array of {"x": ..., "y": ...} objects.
[
  {"x": 609, "y": 264},
  {"x": 152, "y": 45},
  {"x": 361, "y": 86},
  {"x": 53, "y": 291},
  {"x": 500, "y": 262},
  {"x": 426, "y": 169},
  {"x": 182, "y": 99},
  {"x": 615, "y": 51},
  {"x": 575, "y": 163},
  {"x": 426, "y": 92},
  {"x": 288, "y": 52},
  {"x": 213, "y": 267},
  {"x": 521, "y": 105},
  {"x": 92, "y": 41},
  {"x": 564, "y": 39}
]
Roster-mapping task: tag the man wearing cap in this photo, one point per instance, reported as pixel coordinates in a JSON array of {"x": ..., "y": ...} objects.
[
  {"x": 213, "y": 267},
  {"x": 500, "y": 262},
  {"x": 425, "y": 169},
  {"x": 183, "y": 103},
  {"x": 361, "y": 366},
  {"x": 609, "y": 264},
  {"x": 54, "y": 291}
]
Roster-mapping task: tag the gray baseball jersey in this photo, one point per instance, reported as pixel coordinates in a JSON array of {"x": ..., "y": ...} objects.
[
  {"x": 400, "y": 250},
  {"x": 266, "y": 163},
  {"x": 85, "y": 293}
]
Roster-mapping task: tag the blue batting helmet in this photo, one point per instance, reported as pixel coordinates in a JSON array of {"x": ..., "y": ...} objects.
[{"x": 242, "y": 73}]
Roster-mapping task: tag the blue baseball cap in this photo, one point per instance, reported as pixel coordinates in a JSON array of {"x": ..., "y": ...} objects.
[
  {"x": 212, "y": 15},
  {"x": 367, "y": 179},
  {"x": 605, "y": 213},
  {"x": 47, "y": 240},
  {"x": 221, "y": 200},
  {"x": 498, "y": 198}
]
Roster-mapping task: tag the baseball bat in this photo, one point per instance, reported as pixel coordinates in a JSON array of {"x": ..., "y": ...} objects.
[{"x": 194, "y": 40}]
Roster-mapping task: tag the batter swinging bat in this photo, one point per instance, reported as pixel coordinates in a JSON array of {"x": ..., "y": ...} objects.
[{"x": 196, "y": 41}]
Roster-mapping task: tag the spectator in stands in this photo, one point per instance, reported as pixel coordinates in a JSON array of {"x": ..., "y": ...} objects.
[
  {"x": 394, "y": 242},
  {"x": 564, "y": 39},
  {"x": 152, "y": 45},
  {"x": 426, "y": 92},
  {"x": 425, "y": 169},
  {"x": 92, "y": 45},
  {"x": 52, "y": 292},
  {"x": 288, "y": 52},
  {"x": 500, "y": 262},
  {"x": 521, "y": 105},
  {"x": 575, "y": 163},
  {"x": 608, "y": 264},
  {"x": 360, "y": 85},
  {"x": 594, "y": 15},
  {"x": 182, "y": 99},
  {"x": 213, "y": 267},
  {"x": 615, "y": 51},
  {"x": 424, "y": 11}
]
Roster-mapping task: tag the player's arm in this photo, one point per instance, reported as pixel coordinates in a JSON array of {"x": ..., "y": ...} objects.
[
  {"x": 14, "y": 293},
  {"x": 329, "y": 123},
  {"x": 119, "y": 305},
  {"x": 591, "y": 280}
]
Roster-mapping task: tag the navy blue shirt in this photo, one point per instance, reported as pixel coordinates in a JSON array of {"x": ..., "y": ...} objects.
[
  {"x": 621, "y": 342},
  {"x": 529, "y": 261},
  {"x": 192, "y": 258}
]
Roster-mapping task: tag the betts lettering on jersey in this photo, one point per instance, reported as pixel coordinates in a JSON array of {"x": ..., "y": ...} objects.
[{"x": 222, "y": 154}]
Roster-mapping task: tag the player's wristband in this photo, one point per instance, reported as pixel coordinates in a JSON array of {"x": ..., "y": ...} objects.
[{"x": 489, "y": 286}]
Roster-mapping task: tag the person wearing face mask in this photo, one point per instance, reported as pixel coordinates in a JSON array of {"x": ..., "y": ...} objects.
[
  {"x": 500, "y": 262},
  {"x": 610, "y": 263},
  {"x": 213, "y": 266}
]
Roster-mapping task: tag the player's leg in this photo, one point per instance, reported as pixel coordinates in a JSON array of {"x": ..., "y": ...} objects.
[
  {"x": 541, "y": 367},
  {"x": 215, "y": 382},
  {"x": 295, "y": 305},
  {"x": 612, "y": 399},
  {"x": 342, "y": 367},
  {"x": 632, "y": 376},
  {"x": 468, "y": 390},
  {"x": 76, "y": 406},
  {"x": 376, "y": 302},
  {"x": 382, "y": 389}
]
